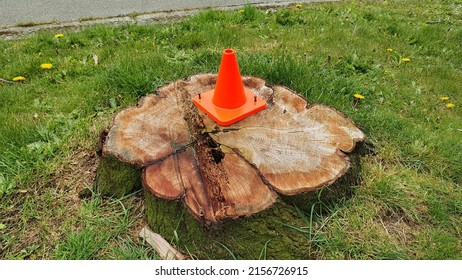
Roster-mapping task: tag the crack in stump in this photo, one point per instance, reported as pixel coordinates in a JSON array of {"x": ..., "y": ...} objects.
[{"x": 207, "y": 153}]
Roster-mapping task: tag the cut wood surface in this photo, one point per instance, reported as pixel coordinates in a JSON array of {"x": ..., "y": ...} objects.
[{"x": 291, "y": 147}]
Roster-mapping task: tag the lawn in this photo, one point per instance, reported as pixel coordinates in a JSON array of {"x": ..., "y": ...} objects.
[{"x": 403, "y": 57}]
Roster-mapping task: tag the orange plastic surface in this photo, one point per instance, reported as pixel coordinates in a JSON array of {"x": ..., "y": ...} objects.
[
  {"x": 225, "y": 117},
  {"x": 229, "y": 102}
]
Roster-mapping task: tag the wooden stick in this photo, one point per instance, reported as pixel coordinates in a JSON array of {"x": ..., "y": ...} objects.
[
  {"x": 161, "y": 246},
  {"x": 6, "y": 81}
]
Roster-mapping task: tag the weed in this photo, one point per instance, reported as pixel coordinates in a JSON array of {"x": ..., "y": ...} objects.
[
  {"x": 231, "y": 254},
  {"x": 264, "y": 250}
]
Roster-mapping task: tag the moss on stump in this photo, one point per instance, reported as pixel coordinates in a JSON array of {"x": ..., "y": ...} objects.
[
  {"x": 270, "y": 234},
  {"x": 115, "y": 178}
]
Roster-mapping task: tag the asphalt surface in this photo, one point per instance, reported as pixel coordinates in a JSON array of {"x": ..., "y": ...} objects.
[{"x": 16, "y": 12}]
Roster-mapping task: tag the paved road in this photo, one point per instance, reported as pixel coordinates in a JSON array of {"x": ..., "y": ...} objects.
[{"x": 14, "y": 12}]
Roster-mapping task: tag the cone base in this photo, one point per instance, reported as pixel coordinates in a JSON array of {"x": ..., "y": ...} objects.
[{"x": 225, "y": 117}]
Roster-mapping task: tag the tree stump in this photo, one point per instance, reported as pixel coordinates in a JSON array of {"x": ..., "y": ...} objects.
[{"x": 200, "y": 177}]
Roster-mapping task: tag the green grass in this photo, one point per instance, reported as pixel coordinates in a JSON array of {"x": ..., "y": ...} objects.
[{"x": 409, "y": 204}]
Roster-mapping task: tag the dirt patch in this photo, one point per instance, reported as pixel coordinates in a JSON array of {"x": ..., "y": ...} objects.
[
  {"x": 398, "y": 226},
  {"x": 78, "y": 175},
  {"x": 36, "y": 217}
]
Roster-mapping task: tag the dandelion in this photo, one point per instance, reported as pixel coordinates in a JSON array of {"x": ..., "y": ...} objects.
[
  {"x": 298, "y": 6},
  {"x": 19, "y": 79},
  {"x": 59, "y": 35},
  {"x": 405, "y": 59},
  {"x": 46, "y": 65},
  {"x": 389, "y": 50},
  {"x": 358, "y": 96},
  {"x": 450, "y": 105},
  {"x": 444, "y": 98}
]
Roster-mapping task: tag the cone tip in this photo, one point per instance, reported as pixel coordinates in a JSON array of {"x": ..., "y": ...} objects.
[{"x": 229, "y": 51}]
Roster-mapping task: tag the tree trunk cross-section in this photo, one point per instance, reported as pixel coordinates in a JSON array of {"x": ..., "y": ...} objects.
[{"x": 226, "y": 172}]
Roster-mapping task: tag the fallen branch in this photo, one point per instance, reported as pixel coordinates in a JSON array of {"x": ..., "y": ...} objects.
[
  {"x": 161, "y": 246},
  {"x": 6, "y": 81}
]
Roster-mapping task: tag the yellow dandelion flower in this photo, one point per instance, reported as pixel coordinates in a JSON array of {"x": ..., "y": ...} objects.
[
  {"x": 406, "y": 59},
  {"x": 389, "y": 50},
  {"x": 358, "y": 96},
  {"x": 19, "y": 79},
  {"x": 46, "y": 65},
  {"x": 298, "y": 6},
  {"x": 450, "y": 105},
  {"x": 241, "y": 11},
  {"x": 59, "y": 35},
  {"x": 444, "y": 98}
]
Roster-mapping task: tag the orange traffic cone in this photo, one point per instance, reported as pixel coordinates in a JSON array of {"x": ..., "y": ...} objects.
[{"x": 230, "y": 101}]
